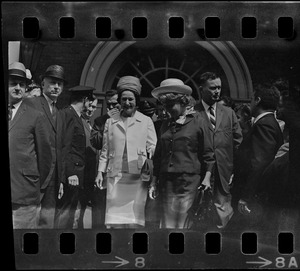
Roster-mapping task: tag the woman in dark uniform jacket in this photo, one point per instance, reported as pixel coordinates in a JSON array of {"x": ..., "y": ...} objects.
[{"x": 183, "y": 154}]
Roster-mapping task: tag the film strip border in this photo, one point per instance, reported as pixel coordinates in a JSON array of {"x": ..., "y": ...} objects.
[
  {"x": 139, "y": 28},
  {"x": 163, "y": 249},
  {"x": 150, "y": 21}
]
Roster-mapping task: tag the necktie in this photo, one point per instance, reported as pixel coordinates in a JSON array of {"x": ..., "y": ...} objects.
[
  {"x": 54, "y": 111},
  {"x": 10, "y": 111},
  {"x": 212, "y": 117},
  {"x": 53, "y": 108}
]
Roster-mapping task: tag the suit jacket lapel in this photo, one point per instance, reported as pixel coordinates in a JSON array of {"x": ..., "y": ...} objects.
[
  {"x": 47, "y": 111},
  {"x": 18, "y": 114},
  {"x": 79, "y": 120},
  {"x": 201, "y": 109},
  {"x": 86, "y": 125},
  {"x": 188, "y": 118},
  {"x": 118, "y": 122},
  {"x": 136, "y": 118},
  {"x": 219, "y": 116}
]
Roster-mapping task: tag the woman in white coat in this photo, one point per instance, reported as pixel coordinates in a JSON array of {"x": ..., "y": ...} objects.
[{"x": 127, "y": 140}]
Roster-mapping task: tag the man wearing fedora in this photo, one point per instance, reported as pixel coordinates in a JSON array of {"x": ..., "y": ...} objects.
[
  {"x": 52, "y": 83},
  {"x": 29, "y": 148},
  {"x": 227, "y": 136},
  {"x": 73, "y": 157}
]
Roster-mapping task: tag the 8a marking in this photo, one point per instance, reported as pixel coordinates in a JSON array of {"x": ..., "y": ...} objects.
[{"x": 280, "y": 262}]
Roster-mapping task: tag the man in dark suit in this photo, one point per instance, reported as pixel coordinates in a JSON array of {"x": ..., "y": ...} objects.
[
  {"x": 53, "y": 81},
  {"x": 259, "y": 147},
  {"x": 29, "y": 149},
  {"x": 112, "y": 105},
  {"x": 91, "y": 158},
  {"x": 99, "y": 197},
  {"x": 73, "y": 157},
  {"x": 227, "y": 136}
]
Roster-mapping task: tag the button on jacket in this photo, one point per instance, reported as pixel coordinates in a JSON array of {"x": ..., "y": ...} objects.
[{"x": 183, "y": 148}]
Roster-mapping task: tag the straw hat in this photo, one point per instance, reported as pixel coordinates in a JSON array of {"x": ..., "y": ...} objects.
[
  {"x": 171, "y": 85},
  {"x": 18, "y": 70}
]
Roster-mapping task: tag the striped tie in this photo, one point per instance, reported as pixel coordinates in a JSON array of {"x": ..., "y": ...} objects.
[{"x": 212, "y": 117}]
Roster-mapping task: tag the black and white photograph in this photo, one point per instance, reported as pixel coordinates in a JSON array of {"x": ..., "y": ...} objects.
[{"x": 132, "y": 145}]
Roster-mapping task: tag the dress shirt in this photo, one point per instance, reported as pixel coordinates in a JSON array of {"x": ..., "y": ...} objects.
[
  {"x": 206, "y": 107},
  {"x": 15, "y": 109},
  {"x": 50, "y": 102}
]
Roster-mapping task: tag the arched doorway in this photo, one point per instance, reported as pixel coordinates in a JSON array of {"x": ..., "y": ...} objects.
[{"x": 152, "y": 62}]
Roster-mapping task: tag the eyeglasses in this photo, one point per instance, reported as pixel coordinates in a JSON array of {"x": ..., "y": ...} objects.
[{"x": 111, "y": 104}]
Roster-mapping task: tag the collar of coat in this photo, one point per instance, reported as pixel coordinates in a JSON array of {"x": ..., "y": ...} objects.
[
  {"x": 184, "y": 120},
  {"x": 137, "y": 117},
  {"x": 188, "y": 111}
]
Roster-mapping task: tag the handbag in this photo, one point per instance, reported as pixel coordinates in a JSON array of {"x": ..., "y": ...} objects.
[
  {"x": 147, "y": 170},
  {"x": 200, "y": 214}
]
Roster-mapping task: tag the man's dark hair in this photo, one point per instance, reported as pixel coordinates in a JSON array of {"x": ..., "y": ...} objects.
[
  {"x": 204, "y": 77},
  {"x": 110, "y": 92},
  {"x": 269, "y": 96}
]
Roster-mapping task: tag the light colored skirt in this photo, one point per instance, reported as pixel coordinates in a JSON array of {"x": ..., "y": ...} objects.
[{"x": 125, "y": 200}]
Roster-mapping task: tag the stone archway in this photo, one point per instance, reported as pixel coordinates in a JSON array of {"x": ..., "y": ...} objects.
[{"x": 99, "y": 72}]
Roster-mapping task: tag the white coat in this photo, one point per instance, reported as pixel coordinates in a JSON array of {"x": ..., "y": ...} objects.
[{"x": 140, "y": 138}]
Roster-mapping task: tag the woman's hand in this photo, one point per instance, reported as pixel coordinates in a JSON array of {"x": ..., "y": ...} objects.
[
  {"x": 99, "y": 180},
  {"x": 153, "y": 193},
  {"x": 206, "y": 183},
  {"x": 61, "y": 191}
]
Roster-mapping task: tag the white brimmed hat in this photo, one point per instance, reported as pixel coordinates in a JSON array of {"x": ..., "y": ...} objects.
[{"x": 171, "y": 85}]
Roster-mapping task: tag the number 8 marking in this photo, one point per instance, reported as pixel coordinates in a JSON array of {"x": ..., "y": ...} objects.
[
  {"x": 139, "y": 262},
  {"x": 280, "y": 262}
]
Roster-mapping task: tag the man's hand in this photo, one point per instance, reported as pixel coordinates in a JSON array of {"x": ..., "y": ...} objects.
[
  {"x": 243, "y": 208},
  {"x": 73, "y": 180},
  {"x": 61, "y": 191},
  {"x": 99, "y": 180},
  {"x": 153, "y": 188}
]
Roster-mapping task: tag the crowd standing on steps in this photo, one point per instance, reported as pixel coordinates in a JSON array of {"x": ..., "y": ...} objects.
[{"x": 143, "y": 162}]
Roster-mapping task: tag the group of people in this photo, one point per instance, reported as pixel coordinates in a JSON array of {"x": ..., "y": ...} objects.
[{"x": 60, "y": 163}]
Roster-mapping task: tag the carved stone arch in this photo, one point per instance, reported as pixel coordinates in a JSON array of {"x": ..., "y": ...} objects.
[{"x": 102, "y": 66}]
